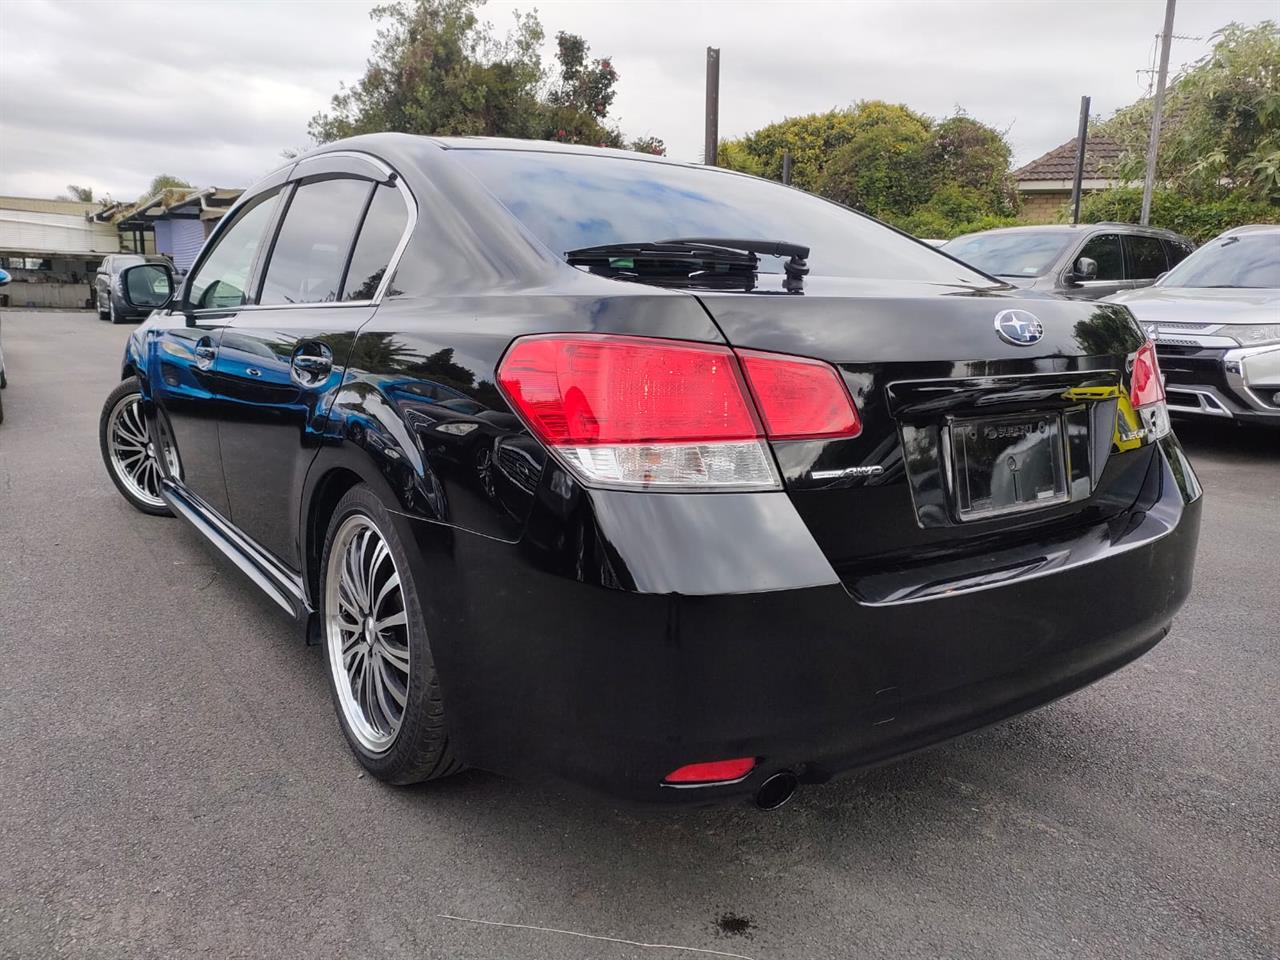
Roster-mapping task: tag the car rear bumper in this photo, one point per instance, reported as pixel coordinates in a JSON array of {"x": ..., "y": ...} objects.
[
  {"x": 613, "y": 687},
  {"x": 1237, "y": 384}
]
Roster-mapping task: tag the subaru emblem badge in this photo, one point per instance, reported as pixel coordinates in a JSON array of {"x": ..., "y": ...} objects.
[{"x": 1019, "y": 327}]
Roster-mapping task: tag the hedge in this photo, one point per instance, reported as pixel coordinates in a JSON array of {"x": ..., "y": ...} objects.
[{"x": 1201, "y": 220}]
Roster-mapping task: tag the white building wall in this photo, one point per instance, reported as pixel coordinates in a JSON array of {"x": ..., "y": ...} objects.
[{"x": 26, "y": 231}]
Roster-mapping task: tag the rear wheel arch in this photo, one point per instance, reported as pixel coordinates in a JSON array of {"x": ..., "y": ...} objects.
[{"x": 329, "y": 489}]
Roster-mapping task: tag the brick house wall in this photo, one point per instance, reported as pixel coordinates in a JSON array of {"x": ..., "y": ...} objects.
[{"x": 1043, "y": 206}]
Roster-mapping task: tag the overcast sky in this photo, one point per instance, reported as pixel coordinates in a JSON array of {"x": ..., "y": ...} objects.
[{"x": 109, "y": 94}]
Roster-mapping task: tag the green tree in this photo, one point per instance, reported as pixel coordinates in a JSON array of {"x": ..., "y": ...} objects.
[
  {"x": 934, "y": 178},
  {"x": 165, "y": 181},
  {"x": 1221, "y": 130},
  {"x": 577, "y": 103},
  {"x": 1199, "y": 218},
  {"x": 653, "y": 145},
  {"x": 884, "y": 168},
  {"x": 811, "y": 139},
  {"x": 974, "y": 157},
  {"x": 952, "y": 210},
  {"x": 436, "y": 68}
]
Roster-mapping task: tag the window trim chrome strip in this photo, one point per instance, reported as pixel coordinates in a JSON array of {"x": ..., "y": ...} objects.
[{"x": 411, "y": 222}]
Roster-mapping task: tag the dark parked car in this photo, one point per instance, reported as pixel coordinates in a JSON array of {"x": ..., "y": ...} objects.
[
  {"x": 577, "y": 471},
  {"x": 4, "y": 379},
  {"x": 1084, "y": 261},
  {"x": 1215, "y": 320},
  {"x": 106, "y": 286}
]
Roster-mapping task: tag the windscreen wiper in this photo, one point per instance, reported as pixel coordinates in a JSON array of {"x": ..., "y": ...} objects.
[
  {"x": 670, "y": 263},
  {"x": 691, "y": 261},
  {"x": 798, "y": 254}
]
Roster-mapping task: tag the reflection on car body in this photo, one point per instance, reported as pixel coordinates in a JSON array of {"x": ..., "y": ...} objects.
[{"x": 625, "y": 525}]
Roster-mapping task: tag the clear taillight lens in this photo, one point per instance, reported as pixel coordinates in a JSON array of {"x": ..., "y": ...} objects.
[
  {"x": 645, "y": 413},
  {"x": 1146, "y": 392}
]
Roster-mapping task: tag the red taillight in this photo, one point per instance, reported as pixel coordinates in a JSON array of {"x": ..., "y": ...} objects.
[
  {"x": 715, "y": 771},
  {"x": 648, "y": 413},
  {"x": 799, "y": 398},
  {"x": 578, "y": 391},
  {"x": 1146, "y": 386},
  {"x": 1146, "y": 393}
]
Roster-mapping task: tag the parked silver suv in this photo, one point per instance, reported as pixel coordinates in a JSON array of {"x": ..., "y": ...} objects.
[
  {"x": 1084, "y": 261},
  {"x": 1216, "y": 325}
]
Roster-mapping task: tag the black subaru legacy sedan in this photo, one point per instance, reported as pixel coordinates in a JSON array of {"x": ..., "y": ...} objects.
[{"x": 660, "y": 479}]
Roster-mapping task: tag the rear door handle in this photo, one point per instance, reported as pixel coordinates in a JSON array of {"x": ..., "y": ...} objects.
[{"x": 312, "y": 363}]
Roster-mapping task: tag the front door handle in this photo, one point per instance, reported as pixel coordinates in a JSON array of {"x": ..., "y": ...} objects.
[
  {"x": 205, "y": 353},
  {"x": 312, "y": 363}
]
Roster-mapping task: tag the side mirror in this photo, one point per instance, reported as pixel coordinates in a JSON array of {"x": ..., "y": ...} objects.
[
  {"x": 4, "y": 277},
  {"x": 1086, "y": 269},
  {"x": 147, "y": 285}
]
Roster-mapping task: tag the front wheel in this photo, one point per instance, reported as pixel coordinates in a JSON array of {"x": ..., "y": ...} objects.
[
  {"x": 381, "y": 672},
  {"x": 130, "y": 451}
]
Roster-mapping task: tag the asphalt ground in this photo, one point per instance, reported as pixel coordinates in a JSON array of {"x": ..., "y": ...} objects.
[{"x": 173, "y": 782}]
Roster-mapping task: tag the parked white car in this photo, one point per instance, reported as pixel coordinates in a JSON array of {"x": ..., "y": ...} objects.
[{"x": 1215, "y": 320}]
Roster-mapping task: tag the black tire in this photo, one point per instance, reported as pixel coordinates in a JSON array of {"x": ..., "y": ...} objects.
[
  {"x": 102, "y": 314},
  {"x": 112, "y": 314},
  {"x": 125, "y": 389},
  {"x": 421, "y": 748}
]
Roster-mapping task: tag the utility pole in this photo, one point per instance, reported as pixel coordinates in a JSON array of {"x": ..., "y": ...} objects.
[
  {"x": 786, "y": 167},
  {"x": 1082, "y": 138},
  {"x": 1157, "y": 112},
  {"x": 712, "y": 141}
]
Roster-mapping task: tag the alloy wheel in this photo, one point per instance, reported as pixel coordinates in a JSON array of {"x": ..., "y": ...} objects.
[
  {"x": 367, "y": 632},
  {"x": 133, "y": 451}
]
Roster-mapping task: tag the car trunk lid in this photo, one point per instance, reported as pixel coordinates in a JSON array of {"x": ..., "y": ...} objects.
[{"x": 970, "y": 442}]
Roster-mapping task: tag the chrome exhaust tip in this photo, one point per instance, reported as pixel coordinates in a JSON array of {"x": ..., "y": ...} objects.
[{"x": 777, "y": 790}]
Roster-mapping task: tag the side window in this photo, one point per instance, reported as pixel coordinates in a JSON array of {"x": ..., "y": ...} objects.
[
  {"x": 1105, "y": 249},
  {"x": 1176, "y": 251},
  {"x": 311, "y": 249},
  {"x": 379, "y": 236},
  {"x": 222, "y": 280},
  {"x": 1146, "y": 257}
]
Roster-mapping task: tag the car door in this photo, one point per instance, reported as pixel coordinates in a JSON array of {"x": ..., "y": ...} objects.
[
  {"x": 182, "y": 346},
  {"x": 1144, "y": 259},
  {"x": 1104, "y": 249},
  {"x": 282, "y": 360},
  {"x": 102, "y": 284},
  {"x": 1176, "y": 251}
]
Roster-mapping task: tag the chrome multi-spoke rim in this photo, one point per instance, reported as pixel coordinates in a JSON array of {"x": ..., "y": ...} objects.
[
  {"x": 368, "y": 633},
  {"x": 133, "y": 453}
]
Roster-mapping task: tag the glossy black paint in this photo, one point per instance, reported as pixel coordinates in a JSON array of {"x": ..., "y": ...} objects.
[{"x": 607, "y": 637}]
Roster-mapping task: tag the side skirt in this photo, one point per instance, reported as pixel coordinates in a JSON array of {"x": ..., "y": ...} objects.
[{"x": 281, "y": 585}]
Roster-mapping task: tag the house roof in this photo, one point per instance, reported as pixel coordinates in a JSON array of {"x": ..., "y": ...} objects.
[
  {"x": 172, "y": 203},
  {"x": 42, "y": 205},
  {"x": 1100, "y": 154}
]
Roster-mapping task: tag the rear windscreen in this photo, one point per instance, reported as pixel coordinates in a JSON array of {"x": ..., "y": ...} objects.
[{"x": 570, "y": 201}]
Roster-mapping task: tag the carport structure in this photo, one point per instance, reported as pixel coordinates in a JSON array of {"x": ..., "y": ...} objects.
[{"x": 174, "y": 222}]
